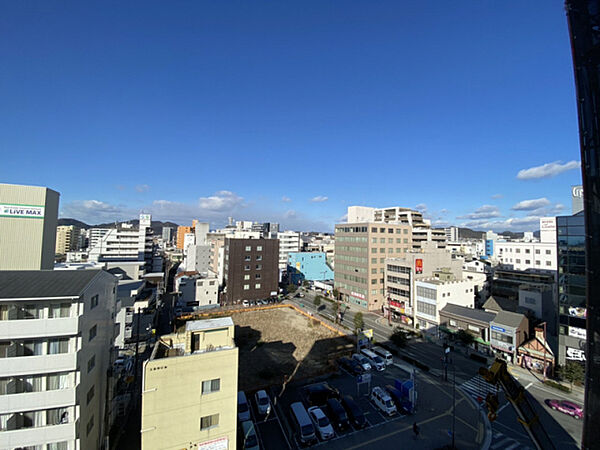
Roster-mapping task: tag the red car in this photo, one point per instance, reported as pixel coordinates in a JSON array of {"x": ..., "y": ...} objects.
[{"x": 567, "y": 407}]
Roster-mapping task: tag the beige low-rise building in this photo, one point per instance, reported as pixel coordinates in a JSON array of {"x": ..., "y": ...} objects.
[{"x": 189, "y": 389}]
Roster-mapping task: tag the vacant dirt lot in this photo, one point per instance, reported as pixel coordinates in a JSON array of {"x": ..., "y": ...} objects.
[{"x": 280, "y": 344}]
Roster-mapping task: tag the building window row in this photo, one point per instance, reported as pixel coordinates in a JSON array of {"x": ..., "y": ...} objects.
[
  {"x": 350, "y": 249},
  {"x": 399, "y": 292},
  {"x": 34, "y": 419},
  {"x": 398, "y": 280},
  {"x": 354, "y": 278},
  {"x": 348, "y": 258},
  {"x": 34, "y": 383},
  {"x": 502, "y": 337},
  {"x": 351, "y": 239},
  {"x": 426, "y": 308},
  {"x": 351, "y": 230},
  {"x": 398, "y": 269},
  {"x": 22, "y": 347},
  {"x": 425, "y": 292},
  {"x": 35, "y": 311}
]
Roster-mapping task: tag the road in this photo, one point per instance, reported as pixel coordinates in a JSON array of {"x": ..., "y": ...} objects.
[{"x": 507, "y": 433}]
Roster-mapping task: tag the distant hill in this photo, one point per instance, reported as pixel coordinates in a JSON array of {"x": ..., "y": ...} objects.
[
  {"x": 157, "y": 225},
  {"x": 467, "y": 233}
]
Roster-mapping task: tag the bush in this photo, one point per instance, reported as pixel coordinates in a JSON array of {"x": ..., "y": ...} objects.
[
  {"x": 359, "y": 321},
  {"x": 556, "y": 385},
  {"x": 291, "y": 288},
  {"x": 317, "y": 300},
  {"x": 399, "y": 337}
]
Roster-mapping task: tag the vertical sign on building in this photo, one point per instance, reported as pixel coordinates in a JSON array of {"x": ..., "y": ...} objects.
[
  {"x": 576, "y": 199},
  {"x": 418, "y": 266}
]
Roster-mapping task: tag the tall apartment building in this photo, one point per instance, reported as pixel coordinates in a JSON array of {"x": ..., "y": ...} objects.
[
  {"x": 126, "y": 243},
  {"x": 189, "y": 393},
  {"x": 96, "y": 235},
  {"x": 28, "y": 219},
  {"x": 181, "y": 232},
  {"x": 572, "y": 307},
  {"x": 216, "y": 258},
  {"x": 451, "y": 234},
  {"x": 67, "y": 239},
  {"x": 360, "y": 253},
  {"x": 289, "y": 242},
  {"x": 56, "y": 335},
  {"x": 251, "y": 269},
  {"x": 167, "y": 234}
]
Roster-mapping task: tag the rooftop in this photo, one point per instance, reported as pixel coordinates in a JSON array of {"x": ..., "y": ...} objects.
[
  {"x": 496, "y": 303},
  {"x": 509, "y": 319},
  {"x": 45, "y": 283},
  {"x": 208, "y": 324},
  {"x": 462, "y": 311}
]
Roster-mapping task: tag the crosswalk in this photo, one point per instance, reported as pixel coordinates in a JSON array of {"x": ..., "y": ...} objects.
[
  {"x": 477, "y": 387},
  {"x": 501, "y": 441}
]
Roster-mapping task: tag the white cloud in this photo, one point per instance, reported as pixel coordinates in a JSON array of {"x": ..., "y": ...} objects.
[
  {"x": 483, "y": 212},
  {"x": 547, "y": 170},
  {"x": 142, "y": 188},
  {"x": 497, "y": 196},
  {"x": 343, "y": 219},
  {"x": 95, "y": 212},
  {"x": 286, "y": 199},
  {"x": 319, "y": 199},
  {"x": 220, "y": 201},
  {"x": 421, "y": 207},
  {"x": 531, "y": 205}
]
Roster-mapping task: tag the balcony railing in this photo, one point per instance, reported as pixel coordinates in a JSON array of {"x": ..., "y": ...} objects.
[
  {"x": 35, "y": 365},
  {"x": 33, "y": 328},
  {"x": 29, "y": 401},
  {"x": 30, "y": 437}
]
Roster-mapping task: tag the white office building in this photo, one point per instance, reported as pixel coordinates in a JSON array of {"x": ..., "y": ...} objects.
[
  {"x": 526, "y": 255},
  {"x": 56, "y": 335},
  {"x": 289, "y": 242}
]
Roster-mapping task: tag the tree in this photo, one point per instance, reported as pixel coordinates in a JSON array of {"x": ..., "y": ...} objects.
[
  {"x": 317, "y": 300},
  {"x": 291, "y": 288},
  {"x": 465, "y": 337},
  {"x": 359, "y": 321},
  {"x": 572, "y": 372},
  {"x": 336, "y": 294},
  {"x": 399, "y": 337}
]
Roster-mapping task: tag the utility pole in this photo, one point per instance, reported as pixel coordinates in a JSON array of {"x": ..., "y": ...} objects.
[{"x": 453, "y": 402}]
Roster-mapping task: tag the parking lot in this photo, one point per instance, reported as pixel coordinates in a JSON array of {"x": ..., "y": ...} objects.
[
  {"x": 275, "y": 431},
  {"x": 433, "y": 413}
]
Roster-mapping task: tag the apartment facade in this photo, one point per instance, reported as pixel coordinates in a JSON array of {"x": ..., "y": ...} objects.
[
  {"x": 189, "y": 389},
  {"x": 251, "y": 269},
  {"x": 28, "y": 219},
  {"x": 181, "y": 232},
  {"x": 56, "y": 335},
  {"x": 67, "y": 239},
  {"x": 360, "y": 252},
  {"x": 527, "y": 255},
  {"x": 289, "y": 242}
]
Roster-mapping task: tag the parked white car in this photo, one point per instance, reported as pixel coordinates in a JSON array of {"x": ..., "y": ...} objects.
[
  {"x": 364, "y": 362},
  {"x": 383, "y": 401},
  {"x": 321, "y": 423},
  {"x": 246, "y": 303},
  {"x": 263, "y": 404}
]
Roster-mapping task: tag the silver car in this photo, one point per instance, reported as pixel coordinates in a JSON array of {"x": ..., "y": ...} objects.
[{"x": 263, "y": 404}]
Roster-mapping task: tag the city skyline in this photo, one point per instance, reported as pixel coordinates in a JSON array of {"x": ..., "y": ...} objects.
[{"x": 210, "y": 111}]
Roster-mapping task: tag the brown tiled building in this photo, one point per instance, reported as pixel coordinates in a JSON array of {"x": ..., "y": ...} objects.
[{"x": 251, "y": 269}]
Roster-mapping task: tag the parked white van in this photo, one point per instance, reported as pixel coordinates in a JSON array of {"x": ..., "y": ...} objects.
[
  {"x": 383, "y": 401},
  {"x": 384, "y": 354},
  {"x": 374, "y": 360},
  {"x": 304, "y": 428}
]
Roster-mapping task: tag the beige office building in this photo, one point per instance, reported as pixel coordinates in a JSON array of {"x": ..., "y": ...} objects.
[
  {"x": 28, "y": 217},
  {"x": 67, "y": 237},
  {"x": 189, "y": 390},
  {"x": 360, "y": 253}
]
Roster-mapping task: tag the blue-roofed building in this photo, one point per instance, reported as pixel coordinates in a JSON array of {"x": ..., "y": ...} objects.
[
  {"x": 489, "y": 249},
  {"x": 310, "y": 266}
]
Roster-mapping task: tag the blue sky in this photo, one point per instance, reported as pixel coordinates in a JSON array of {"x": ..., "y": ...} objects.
[{"x": 291, "y": 111}]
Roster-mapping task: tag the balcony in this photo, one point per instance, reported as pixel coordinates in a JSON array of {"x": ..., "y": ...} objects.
[
  {"x": 30, "y": 401},
  {"x": 34, "y": 328},
  {"x": 26, "y": 365},
  {"x": 29, "y": 437}
]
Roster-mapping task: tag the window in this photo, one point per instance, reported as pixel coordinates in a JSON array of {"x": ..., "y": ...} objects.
[
  {"x": 90, "y": 395},
  {"x": 56, "y": 381},
  {"x": 259, "y": 257},
  {"x": 211, "y": 283},
  {"x": 246, "y": 287},
  {"x": 57, "y": 346},
  {"x": 94, "y": 301},
  {"x": 390, "y": 250},
  {"x": 538, "y": 262},
  {"x": 246, "y": 277},
  {"x": 382, "y": 260},
  {"x": 373, "y": 271},
  {"x": 518, "y": 261},
  {"x": 246, "y": 267},
  {"x": 405, "y": 240},
  {"x": 382, "y": 250},
  {"x": 373, "y": 230},
  {"x": 209, "y": 421},
  {"x": 374, "y": 281},
  {"x": 548, "y": 252},
  {"x": 258, "y": 266},
  {"x": 59, "y": 310},
  {"x": 426, "y": 308},
  {"x": 257, "y": 286},
  {"x": 527, "y": 261},
  {"x": 259, "y": 248},
  {"x": 373, "y": 260},
  {"x": 373, "y": 240},
  {"x": 548, "y": 263},
  {"x": 382, "y": 240},
  {"x": 90, "y": 425},
  {"x": 93, "y": 332},
  {"x": 390, "y": 230},
  {"x": 248, "y": 248},
  {"x": 517, "y": 250},
  {"x": 247, "y": 258},
  {"x": 56, "y": 416},
  {"x": 527, "y": 251},
  {"x": 91, "y": 363},
  {"x": 373, "y": 250},
  {"x": 406, "y": 231},
  {"x": 382, "y": 230},
  {"x": 537, "y": 251},
  {"x": 502, "y": 337},
  {"x": 210, "y": 386},
  {"x": 452, "y": 323}
]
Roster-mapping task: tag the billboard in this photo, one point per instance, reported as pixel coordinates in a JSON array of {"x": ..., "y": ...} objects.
[
  {"x": 576, "y": 199},
  {"x": 574, "y": 354},
  {"x": 418, "y": 265},
  {"x": 29, "y": 211}
]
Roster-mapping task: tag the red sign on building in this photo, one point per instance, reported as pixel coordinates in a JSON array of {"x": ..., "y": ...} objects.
[{"x": 418, "y": 266}]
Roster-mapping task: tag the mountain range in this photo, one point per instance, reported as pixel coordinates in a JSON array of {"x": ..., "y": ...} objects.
[{"x": 156, "y": 225}]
